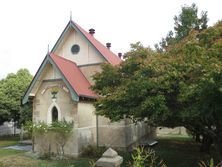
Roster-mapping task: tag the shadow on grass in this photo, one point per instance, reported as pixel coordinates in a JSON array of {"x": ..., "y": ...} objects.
[{"x": 182, "y": 151}]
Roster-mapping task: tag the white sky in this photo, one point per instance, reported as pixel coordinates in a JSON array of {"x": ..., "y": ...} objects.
[{"x": 28, "y": 26}]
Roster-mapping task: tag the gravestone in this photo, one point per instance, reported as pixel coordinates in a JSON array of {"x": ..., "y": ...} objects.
[{"x": 110, "y": 158}]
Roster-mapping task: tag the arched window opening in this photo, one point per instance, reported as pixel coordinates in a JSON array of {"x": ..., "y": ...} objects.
[{"x": 54, "y": 114}]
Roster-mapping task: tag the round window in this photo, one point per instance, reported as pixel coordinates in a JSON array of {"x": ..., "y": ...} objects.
[{"x": 75, "y": 49}]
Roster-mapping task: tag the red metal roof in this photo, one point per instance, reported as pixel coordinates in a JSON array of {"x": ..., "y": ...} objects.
[
  {"x": 106, "y": 53},
  {"x": 74, "y": 76}
]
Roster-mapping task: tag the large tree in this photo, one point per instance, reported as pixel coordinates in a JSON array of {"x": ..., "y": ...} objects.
[
  {"x": 12, "y": 89},
  {"x": 181, "y": 87},
  {"x": 186, "y": 21}
]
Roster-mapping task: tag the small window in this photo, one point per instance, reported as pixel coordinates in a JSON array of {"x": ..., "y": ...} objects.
[
  {"x": 75, "y": 49},
  {"x": 54, "y": 114}
]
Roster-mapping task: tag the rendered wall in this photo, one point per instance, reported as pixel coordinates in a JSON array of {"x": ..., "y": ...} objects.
[
  {"x": 121, "y": 134},
  {"x": 111, "y": 134},
  {"x": 85, "y": 114},
  {"x": 89, "y": 71},
  {"x": 86, "y": 55},
  {"x": 43, "y": 103},
  {"x": 161, "y": 131}
]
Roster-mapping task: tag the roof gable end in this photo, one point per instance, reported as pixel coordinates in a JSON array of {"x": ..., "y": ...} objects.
[{"x": 99, "y": 47}]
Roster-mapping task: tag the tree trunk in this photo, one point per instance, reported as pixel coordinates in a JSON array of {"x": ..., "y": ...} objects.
[
  {"x": 206, "y": 144},
  {"x": 33, "y": 143},
  {"x": 197, "y": 138},
  {"x": 218, "y": 144}
]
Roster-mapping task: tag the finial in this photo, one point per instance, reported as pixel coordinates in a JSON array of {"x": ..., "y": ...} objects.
[
  {"x": 70, "y": 15},
  {"x": 48, "y": 49}
]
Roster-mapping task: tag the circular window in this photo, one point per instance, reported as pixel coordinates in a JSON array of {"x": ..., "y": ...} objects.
[{"x": 75, "y": 49}]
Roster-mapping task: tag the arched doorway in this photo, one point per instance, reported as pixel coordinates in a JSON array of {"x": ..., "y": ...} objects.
[{"x": 54, "y": 114}]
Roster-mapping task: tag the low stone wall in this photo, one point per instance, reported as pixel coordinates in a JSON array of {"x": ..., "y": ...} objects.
[
  {"x": 161, "y": 131},
  {"x": 116, "y": 136},
  {"x": 86, "y": 136},
  {"x": 49, "y": 143}
]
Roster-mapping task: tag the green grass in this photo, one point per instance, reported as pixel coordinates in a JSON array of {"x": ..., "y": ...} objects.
[
  {"x": 15, "y": 158},
  {"x": 176, "y": 151},
  {"x": 181, "y": 151},
  {"x": 8, "y": 141}
]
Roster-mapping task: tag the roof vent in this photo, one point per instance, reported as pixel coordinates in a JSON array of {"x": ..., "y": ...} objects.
[
  {"x": 120, "y": 55},
  {"x": 92, "y": 31},
  {"x": 108, "y": 45}
]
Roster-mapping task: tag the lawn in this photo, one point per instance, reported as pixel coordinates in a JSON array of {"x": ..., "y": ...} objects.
[
  {"x": 182, "y": 151},
  {"x": 14, "y": 158},
  {"x": 8, "y": 140},
  {"x": 175, "y": 151}
]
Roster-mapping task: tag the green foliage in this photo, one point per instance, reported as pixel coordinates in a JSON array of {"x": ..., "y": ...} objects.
[
  {"x": 92, "y": 163},
  {"x": 38, "y": 128},
  {"x": 145, "y": 158},
  {"x": 180, "y": 87},
  {"x": 139, "y": 88},
  {"x": 62, "y": 127},
  {"x": 12, "y": 89},
  {"x": 60, "y": 131},
  {"x": 209, "y": 164},
  {"x": 186, "y": 21},
  {"x": 25, "y": 113}
]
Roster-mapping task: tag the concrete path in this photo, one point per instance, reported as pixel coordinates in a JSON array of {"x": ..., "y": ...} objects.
[{"x": 19, "y": 147}]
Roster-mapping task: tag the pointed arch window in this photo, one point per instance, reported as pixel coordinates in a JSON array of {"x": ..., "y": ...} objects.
[{"x": 54, "y": 114}]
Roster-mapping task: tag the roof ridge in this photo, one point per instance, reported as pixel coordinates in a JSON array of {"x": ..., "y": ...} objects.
[{"x": 82, "y": 29}]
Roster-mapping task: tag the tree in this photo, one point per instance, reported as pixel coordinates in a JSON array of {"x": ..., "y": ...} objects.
[
  {"x": 186, "y": 21},
  {"x": 12, "y": 89},
  {"x": 181, "y": 87},
  {"x": 133, "y": 89}
]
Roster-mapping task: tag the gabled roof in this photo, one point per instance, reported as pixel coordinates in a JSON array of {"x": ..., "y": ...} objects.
[
  {"x": 74, "y": 76},
  {"x": 100, "y": 48},
  {"x": 71, "y": 75}
]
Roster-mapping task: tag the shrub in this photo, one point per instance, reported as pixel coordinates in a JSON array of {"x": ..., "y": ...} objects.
[
  {"x": 93, "y": 151},
  {"x": 209, "y": 164},
  {"x": 145, "y": 158},
  {"x": 60, "y": 129}
]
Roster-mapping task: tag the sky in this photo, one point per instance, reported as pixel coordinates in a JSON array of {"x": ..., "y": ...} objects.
[{"x": 29, "y": 26}]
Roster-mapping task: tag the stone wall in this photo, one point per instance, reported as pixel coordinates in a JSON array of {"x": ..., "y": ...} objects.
[
  {"x": 43, "y": 103},
  {"x": 48, "y": 143},
  {"x": 89, "y": 71},
  {"x": 120, "y": 135},
  {"x": 171, "y": 131}
]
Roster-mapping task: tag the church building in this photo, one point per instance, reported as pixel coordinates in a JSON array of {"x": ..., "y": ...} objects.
[{"x": 60, "y": 90}]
